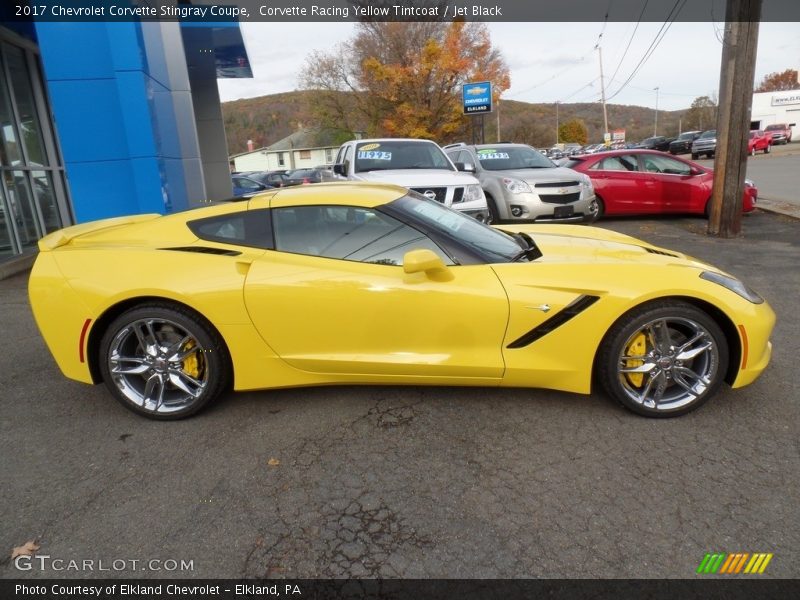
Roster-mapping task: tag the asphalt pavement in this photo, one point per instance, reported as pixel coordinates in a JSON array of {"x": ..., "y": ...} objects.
[{"x": 411, "y": 481}]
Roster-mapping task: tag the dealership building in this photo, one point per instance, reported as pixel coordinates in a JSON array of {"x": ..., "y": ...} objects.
[
  {"x": 776, "y": 107},
  {"x": 104, "y": 119}
]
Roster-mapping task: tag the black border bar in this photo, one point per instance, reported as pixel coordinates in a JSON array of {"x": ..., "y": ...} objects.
[{"x": 245, "y": 11}]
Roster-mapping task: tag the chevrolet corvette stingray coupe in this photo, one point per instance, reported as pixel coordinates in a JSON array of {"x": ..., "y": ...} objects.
[{"x": 360, "y": 283}]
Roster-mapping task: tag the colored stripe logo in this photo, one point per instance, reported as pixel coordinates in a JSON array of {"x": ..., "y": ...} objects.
[{"x": 721, "y": 563}]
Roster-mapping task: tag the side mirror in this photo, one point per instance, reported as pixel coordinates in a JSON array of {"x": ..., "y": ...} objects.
[
  {"x": 792, "y": 124},
  {"x": 340, "y": 169},
  {"x": 428, "y": 262},
  {"x": 465, "y": 167}
]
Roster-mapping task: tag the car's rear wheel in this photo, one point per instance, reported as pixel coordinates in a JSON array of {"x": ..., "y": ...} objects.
[
  {"x": 663, "y": 359},
  {"x": 695, "y": 156},
  {"x": 163, "y": 361}
]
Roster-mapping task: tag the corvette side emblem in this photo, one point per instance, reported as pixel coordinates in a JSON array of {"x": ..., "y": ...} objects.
[{"x": 542, "y": 307}]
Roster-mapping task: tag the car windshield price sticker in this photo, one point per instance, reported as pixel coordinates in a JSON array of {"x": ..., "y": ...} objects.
[
  {"x": 492, "y": 155},
  {"x": 374, "y": 155}
]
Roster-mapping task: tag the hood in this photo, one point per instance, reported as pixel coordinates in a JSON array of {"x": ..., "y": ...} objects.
[
  {"x": 548, "y": 175},
  {"x": 593, "y": 245},
  {"x": 419, "y": 177}
]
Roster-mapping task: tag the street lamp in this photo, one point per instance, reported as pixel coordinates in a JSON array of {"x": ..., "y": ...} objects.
[{"x": 655, "y": 125}]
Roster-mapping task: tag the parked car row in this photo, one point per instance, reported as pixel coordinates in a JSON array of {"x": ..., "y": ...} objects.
[
  {"x": 253, "y": 182},
  {"x": 508, "y": 182}
]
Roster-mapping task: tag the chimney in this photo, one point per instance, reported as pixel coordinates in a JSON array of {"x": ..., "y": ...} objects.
[{"x": 250, "y": 145}]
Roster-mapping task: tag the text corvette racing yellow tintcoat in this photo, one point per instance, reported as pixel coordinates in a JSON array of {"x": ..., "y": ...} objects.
[{"x": 360, "y": 283}]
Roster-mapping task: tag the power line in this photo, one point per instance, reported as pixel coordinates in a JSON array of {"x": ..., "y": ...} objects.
[
  {"x": 673, "y": 14},
  {"x": 633, "y": 35}
]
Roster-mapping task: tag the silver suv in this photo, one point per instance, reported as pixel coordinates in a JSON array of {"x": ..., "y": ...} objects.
[{"x": 521, "y": 184}]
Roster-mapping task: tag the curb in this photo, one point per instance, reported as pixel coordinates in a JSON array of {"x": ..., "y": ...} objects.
[{"x": 780, "y": 207}]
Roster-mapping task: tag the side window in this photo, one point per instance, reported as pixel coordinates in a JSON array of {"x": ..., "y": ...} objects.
[
  {"x": 247, "y": 184},
  {"x": 626, "y": 162},
  {"x": 348, "y": 233},
  {"x": 664, "y": 164},
  {"x": 246, "y": 228}
]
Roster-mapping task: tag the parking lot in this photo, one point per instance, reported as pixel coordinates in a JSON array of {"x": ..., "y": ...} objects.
[{"x": 412, "y": 482}]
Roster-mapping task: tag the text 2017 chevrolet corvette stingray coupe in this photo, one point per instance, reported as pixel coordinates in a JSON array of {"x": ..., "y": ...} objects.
[{"x": 348, "y": 283}]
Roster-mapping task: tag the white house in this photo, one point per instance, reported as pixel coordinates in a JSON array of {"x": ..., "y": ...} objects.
[
  {"x": 776, "y": 107},
  {"x": 299, "y": 150}
]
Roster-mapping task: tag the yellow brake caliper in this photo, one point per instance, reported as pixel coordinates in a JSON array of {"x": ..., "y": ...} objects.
[
  {"x": 192, "y": 364},
  {"x": 637, "y": 347}
]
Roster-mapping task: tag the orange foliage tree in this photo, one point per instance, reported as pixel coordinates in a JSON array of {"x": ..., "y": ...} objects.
[
  {"x": 403, "y": 79},
  {"x": 779, "y": 82}
]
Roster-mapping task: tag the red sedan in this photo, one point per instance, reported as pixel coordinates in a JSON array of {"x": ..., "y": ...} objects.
[{"x": 636, "y": 182}]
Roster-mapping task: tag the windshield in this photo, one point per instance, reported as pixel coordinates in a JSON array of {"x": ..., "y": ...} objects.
[
  {"x": 507, "y": 158},
  {"x": 686, "y": 136},
  {"x": 774, "y": 127},
  {"x": 709, "y": 134},
  {"x": 494, "y": 245},
  {"x": 399, "y": 154}
]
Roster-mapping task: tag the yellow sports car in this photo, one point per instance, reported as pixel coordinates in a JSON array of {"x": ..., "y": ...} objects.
[{"x": 357, "y": 283}]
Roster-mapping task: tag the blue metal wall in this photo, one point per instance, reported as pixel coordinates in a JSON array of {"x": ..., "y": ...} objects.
[{"x": 116, "y": 119}]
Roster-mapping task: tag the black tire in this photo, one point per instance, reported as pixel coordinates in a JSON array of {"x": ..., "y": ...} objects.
[
  {"x": 695, "y": 156},
  {"x": 753, "y": 151},
  {"x": 667, "y": 362},
  {"x": 184, "y": 362},
  {"x": 768, "y": 149},
  {"x": 601, "y": 208},
  {"x": 494, "y": 215},
  {"x": 707, "y": 209}
]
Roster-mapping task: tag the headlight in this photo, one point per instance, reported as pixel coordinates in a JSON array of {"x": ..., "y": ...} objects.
[
  {"x": 733, "y": 285},
  {"x": 586, "y": 184},
  {"x": 749, "y": 183},
  {"x": 516, "y": 186},
  {"x": 473, "y": 192}
]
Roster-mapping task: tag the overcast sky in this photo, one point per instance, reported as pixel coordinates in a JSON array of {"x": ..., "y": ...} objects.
[{"x": 549, "y": 62}]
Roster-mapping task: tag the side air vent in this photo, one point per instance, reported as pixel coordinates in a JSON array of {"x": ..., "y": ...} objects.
[
  {"x": 661, "y": 252},
  {"x": 204, "y": 250},
  {"x": 557, "y": 320}
]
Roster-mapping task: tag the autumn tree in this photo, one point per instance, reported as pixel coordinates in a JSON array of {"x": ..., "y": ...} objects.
[
  {"x": 779, "y": 82},
  {"x": 702, "y": 114},
  {"x": 572, "y": 131},
  {"x": 403, "y": 79}
]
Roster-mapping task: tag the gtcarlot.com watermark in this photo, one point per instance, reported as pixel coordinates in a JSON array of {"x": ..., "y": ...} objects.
[{"x": 44, "y": 562}]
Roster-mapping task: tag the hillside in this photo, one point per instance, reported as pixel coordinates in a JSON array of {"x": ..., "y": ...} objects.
[{"x": 267, "y": 119}]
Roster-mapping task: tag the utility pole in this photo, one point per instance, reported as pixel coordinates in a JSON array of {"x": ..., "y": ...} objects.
[
  {"x": 603, "y": 93},
  {"x": 737, "y": 71},
  {"x": 498, "y": 121},
  {"x": 655, "y": 124},
  {"x": 557, "y": 135}
]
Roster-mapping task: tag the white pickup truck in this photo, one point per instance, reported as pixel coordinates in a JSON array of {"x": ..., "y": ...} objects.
[{"x": 419, "y": 165}]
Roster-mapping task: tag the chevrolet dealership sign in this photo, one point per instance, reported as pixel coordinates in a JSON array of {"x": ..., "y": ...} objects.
[{"x": 477, "y": 97}]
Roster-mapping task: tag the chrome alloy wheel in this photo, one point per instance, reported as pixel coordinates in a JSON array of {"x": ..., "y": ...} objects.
[
  {"x": 668, "y": 363},
  {"x": 158, "y": 365}
]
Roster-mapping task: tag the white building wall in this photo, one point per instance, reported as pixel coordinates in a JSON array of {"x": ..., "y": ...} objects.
[
  {"x": 777, "y": 107},
  {"x": 270, "y": 160}
]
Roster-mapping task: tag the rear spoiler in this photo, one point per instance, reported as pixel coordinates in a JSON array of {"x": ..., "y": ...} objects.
[{"x": 64, "y": 236}]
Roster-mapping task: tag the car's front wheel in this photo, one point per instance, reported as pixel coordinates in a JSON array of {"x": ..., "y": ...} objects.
[
  {"x": 695, "y": 156},
  {"x": 768, "y": 149},
  {"x": 663, "y": 359},
  {"x": 163, "y": 361}
]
